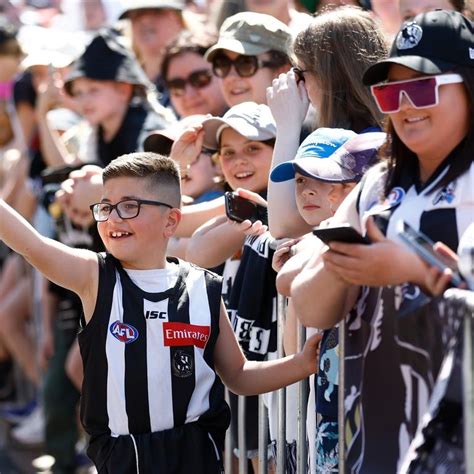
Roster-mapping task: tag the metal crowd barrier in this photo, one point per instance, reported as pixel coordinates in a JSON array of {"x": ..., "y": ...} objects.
[
  {"x": 461, "y": 298},
  {"x": 466, "y": 300},
  {"x": 263, "y": 448}
]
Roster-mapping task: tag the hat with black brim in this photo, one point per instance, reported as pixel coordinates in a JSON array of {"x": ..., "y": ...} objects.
[{"x": 106, "y": 59}]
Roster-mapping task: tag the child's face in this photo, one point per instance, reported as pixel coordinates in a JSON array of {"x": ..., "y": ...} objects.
[
  {"x": 138, "y": 243},
  {"x": 244, "y": 163},
  {"x": 313, "y": 199},
  {"x": 99, "y": 101},
  {"x": 238, "y": 89},
  {"x": 199, "y": 177}
]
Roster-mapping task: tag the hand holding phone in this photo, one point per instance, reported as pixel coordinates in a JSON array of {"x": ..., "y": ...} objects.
[
  {"x": 344, "y": 233},
  {"x": 240, "y": 209},
  {"x": 423, "y": 246}
]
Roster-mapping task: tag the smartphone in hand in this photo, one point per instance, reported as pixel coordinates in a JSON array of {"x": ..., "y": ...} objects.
[
  {"x": 344, "y": 233},
  {"x": 240, "y": 209},
  {"x": 423, "y": 246}
]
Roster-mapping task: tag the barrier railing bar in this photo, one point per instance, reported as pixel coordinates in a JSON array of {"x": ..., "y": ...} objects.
[
  {"x": 243, "y": 461},
  {"x": 262, "y": 436},
  {"x": 340, "y": 398},
  {"x": 281, "y": 436},
  {"x": 301, "y": 447},
  {"x": 228, "y": 454},
  {"x": 468, "y": 382}
]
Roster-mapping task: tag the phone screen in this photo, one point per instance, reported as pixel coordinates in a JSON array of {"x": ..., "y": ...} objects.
[
  {"x": 345, "y": 234},
  {"x": 240, "y": 209}
]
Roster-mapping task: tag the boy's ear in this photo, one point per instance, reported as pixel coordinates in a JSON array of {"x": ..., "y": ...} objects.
[
  {"x": 174, "y": 218},
  {"x": 125, "y": 89}
]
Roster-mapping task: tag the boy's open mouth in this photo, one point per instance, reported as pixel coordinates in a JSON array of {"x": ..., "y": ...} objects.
[{"x": 118, "y": 235}]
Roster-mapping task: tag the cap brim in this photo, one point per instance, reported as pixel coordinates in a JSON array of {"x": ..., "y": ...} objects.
[
  {"x": 147, "y": 5},
  {"x": 322, "y": 169},
  {"x": 158, "y": 143},
  {"x": 45, "y": 58},
  {"x": 283, "y": 172},
  {"x": 379, "y": 72},
  {"x": 236, "y": 46},
  {"x": 240, "y": 125}
]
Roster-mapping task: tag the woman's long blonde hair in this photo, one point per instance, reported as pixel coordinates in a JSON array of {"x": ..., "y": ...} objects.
[{"x": 337, "y": 47}]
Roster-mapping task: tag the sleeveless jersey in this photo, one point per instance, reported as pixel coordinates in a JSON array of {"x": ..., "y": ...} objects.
[
  {"x": 396, "y": 336},
  {"x": 149, "y": 357}
]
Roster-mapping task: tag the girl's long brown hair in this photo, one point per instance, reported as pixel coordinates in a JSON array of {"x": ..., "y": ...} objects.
[{"x": 337, "y": 47}]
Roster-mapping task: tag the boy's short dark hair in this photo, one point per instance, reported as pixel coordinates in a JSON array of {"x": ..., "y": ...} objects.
[{"x": 161, "y": 172}]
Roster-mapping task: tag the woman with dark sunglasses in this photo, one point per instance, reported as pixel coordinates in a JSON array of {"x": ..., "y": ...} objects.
[
  {"x": 189, "y": 79},
  {"x": 396, "y": 339},
  {"x": 251, "y": 50}
]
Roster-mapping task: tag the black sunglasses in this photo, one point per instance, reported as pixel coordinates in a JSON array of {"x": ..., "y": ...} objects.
[
  {"x": 245, "y": 66},
  {"x": 197, "y": 79},
  {"x": 299, "y": 73}
]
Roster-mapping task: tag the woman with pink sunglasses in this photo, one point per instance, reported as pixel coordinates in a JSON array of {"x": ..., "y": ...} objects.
[{"x": 395, "y": 343}]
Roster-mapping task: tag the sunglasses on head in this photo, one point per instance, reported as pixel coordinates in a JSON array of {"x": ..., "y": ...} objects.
[
  {"x": 245, "y": 66},
  {"x": 422, "y": 92},
  {"x": 197, "y": 79}
]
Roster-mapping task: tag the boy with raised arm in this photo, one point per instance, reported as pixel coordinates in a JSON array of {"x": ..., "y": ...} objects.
[{"x": 155, "y": 331}]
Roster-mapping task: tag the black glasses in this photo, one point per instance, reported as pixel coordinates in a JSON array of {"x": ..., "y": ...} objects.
[
  {"x": 245, "y": 66},
  {"x": 299, "y": 73},
  {"x": 126, "y": 209},
  {"x": 197, "y": 79}
]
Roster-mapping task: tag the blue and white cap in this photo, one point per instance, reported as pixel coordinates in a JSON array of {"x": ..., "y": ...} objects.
[
  {"x": 322, "y": 143},
  {"x": 348, "y": 163}
]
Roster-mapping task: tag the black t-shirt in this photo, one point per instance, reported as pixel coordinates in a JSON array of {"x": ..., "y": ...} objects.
[{"x": 138, "y": 122}]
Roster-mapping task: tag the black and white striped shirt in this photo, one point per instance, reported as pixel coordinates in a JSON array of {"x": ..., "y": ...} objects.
[{"x": 149, "y": 357}]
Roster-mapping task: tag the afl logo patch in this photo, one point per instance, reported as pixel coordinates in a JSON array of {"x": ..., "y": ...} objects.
[
  {"x": 395, "y": 197},
  {"x": 123, "y": 332},
  {"x": 183, "y": 364},
  {"x": 409, "y": 36}
]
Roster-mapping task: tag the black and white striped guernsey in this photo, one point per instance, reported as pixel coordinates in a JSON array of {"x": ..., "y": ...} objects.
[{"x": 149, "y": 357}]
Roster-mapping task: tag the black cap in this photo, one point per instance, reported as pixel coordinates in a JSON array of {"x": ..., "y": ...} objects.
[
  {"x": 432, "y": 43},
  {"x": 106, "y": 59}
]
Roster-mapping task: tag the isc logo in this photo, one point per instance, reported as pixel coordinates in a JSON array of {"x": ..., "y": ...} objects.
[
  {"x": 155, "y": 314},
  {"x": 123, "y": 332}
]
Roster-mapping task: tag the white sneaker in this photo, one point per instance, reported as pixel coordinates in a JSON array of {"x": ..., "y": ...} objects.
[{"x": 31, "y": 430}]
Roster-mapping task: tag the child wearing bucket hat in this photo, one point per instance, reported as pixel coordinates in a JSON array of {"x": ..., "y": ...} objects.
[
  {"x": 426, "y": 88},
  {"x": 252, "y": 50},
  {"x": 112, "y": 94}
]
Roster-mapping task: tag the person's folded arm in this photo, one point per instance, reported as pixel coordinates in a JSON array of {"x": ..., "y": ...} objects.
[
  {"x": 214, "y": 242},
  {"x": 195, "y": 215}
]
